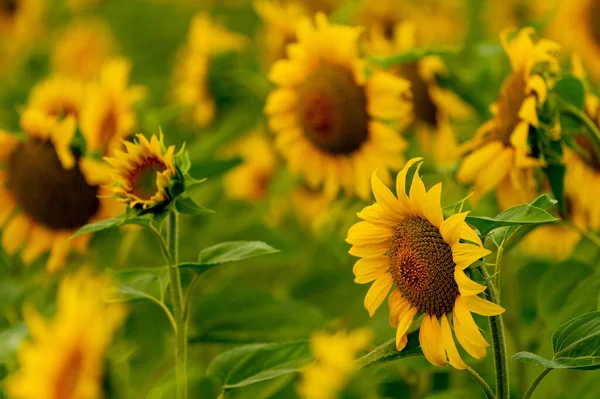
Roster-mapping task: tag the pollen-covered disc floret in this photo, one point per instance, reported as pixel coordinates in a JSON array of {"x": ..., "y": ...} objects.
[
  {"x": 500, "y": 154},
  {"x": 144, "y": 173},
  {"x": 404, "y": 242},
  {"x": 335, "y": 122}
]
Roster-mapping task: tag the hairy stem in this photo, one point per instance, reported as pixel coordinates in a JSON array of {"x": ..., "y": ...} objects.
[
  {"x": 536, "y": 383},
  {"x": 498, "y": 341},
  {"x": 484, "y": 385},
  {"x": 177, "y": 299}
]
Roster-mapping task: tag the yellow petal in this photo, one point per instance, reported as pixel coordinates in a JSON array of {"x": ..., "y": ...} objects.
[
  {"x": 287, "y": 73},
  {"x": 465, "y": 254},
  {"x": 384, "y": 197},
  {"x": 466, "y": 286},
  {"x": 398, "y": 305},
  {"x": 432, "y": 207},
  {"x": 467, "y": 331},
  {"x": 453, "y": 356},
  {"x": 467, "y": 233},
  {"x": 15, "y": 233},
  {"x": 473, "y": 164},
  {"x": 483, "y": 307},
  {"x": 280, "y": 100},
  {"x": 528, "y": 111},
  {"x": 404, "y": 321},
  {"x": 493, "y": 173},
  {"x": 40, "y": 240},
  {"x": 536, "y": 84},
  {"x": 377, "y": 293},
  {"x": 401, "y": 180},
  {"x": 451, "y": 228},
  {"x": 369, "y": 250},
  {"x": 368, "y": 269},
  {"x": 417, "y": 193},
  {"x": 58, "y": 254},
  {"x": 376, "y": 214},
  {"x": 430, "y": 337},
  {"x": 368, "y": 233}
]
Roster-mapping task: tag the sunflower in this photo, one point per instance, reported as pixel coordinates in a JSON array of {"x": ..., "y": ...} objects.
[
  {"x": 279, "y": 20},
  {"x": 143, "y": 173},
  {"x": 444, "y": 19},
  {"x": 108, "y": 115},
  {"x": 65, "y": 357},
  {"x": 433, "y": 106},
  {"x": 575, "y": 26},
  {"x": 498, "y": 15},
  {"x": 405, "y": 242},
  {"x": 82, "y": 48},
  {"x": 335, "y": 355},
  {"x": 332, "y": 119},
  {"x": 500, "y": 152},
  {"x": 20, "y": 22},
  {"x": 58, "y": 97},
  {"x": 250, "y": 180},
  {"x": 206, "y": 39},
  {"x": 48, "y": 190}
]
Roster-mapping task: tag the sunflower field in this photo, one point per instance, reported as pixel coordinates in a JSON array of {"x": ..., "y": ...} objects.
[{"x": 313, "y": 199}]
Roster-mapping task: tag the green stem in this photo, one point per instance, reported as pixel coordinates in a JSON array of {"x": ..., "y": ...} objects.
[
  {"x": 499, "y": 342},
  {"x": 177, "y": 299},
  {"x": 536, "y": 383},
  {"x": 576, "y": 113},
  {"x": 484, "y": 385}
]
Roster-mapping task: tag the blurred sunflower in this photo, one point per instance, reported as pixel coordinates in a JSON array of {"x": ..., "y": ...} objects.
[
  {"x": 444, "y": 19},
  {"x": 333, "y": 121},
  {"x": 575, "y": 26},
  {"x": 499, "y": 15},
  {"x": 191, "y": 88},
  {"x": 58, "y": 97},
  {"x": 279, "y": 26},
  {"x": 143, "y": 173},
  {"x": 82, "y": 48},
  {"x": 433, "y": 106},
  {"x": 108, "y": 115},
  {"x": 311, "y": 207},
  {"x": 250, "y": 180},
  {"x": 499, "y": 153},
  {"x": 65, "y": 357},
  {"x": 48, "y": 190},
  {"x": 406, "y": 242},
  {"x": 335, "y": 356},
  {"x": 20, "y": 22}
]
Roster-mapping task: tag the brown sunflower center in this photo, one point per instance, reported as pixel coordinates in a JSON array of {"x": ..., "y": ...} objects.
[
  {"x": 143, "y": 178},
  {"x": 422, "y": 266},
  {"x": 589, "y": 153},
  {"x": 68, "y": 377},
  {"x": 333, "y": 110},
  {"x": 108, "y": 126},
  {"x": 57, "y": 198},
  {"x": 510, "y": 99},
  {"x": 9, "y": 7},
  {"x": 594, "y": 20},
  {"x": 424, "y": 108}
]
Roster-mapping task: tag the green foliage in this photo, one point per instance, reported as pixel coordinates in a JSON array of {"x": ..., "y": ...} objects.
[
  {"x": 571, "y": 90},
  {"x": 250, "y": 364},
  {"x": 134, "y": 284},
  {"x": 387, "y": 352},
  {"x": 576, "y": 345}
]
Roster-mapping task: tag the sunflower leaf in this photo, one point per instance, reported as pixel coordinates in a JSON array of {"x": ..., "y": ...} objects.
[
  {"x": 250, "y": 364},
  {"x": 387, "y": 352},
  {"x": 140, "y": 283},
  {"x": 214, "y": 168},
  {"x": 188, "y": 206},
  {"x": 576, "y": 345},
  {"x": 520, "y": 215},
  {"x": 571, "y": 90}
]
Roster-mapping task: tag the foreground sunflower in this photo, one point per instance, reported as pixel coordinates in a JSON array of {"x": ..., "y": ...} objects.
[
  {"x": 334, "y": 121},
  {"x": 335, "y": 362},
  {"x": 500, "y": 153},
  {"x": 191, "y": 89},
  {"x": 48, "y": 190},
  {"x": 405, "y": 242},
  {"x": 108, "y": 115},
  {"x": 66, "y": 356},
  {"x": 433, "y": 107},
  {"x": 142, "y": 174}
]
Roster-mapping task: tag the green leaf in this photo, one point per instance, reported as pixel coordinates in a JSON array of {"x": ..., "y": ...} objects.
[
  {"x": 523, "y": 214},
  {"x": 250, "y": 364},
  {"x": 234, "y": 251},
  {"x": 188, "y": 206},
  {"x": 387, "y": 352},
  {"x": 205, "y": 169},
  {"x": 571, "y": 90},
  {"x": 576, "y": 345},
  {"x": 556, "y": 177},
  {"x": 10, "y": 339},
  {"x": 140, "y": 283},
  {"x": 98, "y": 226},
  {"x": 217, "y": 320}
]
